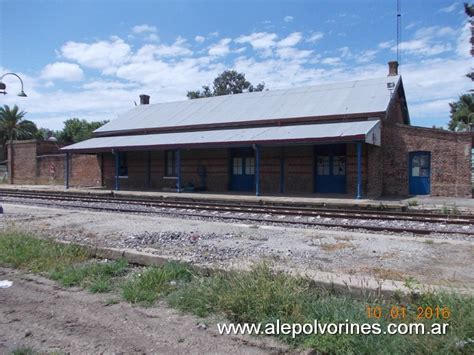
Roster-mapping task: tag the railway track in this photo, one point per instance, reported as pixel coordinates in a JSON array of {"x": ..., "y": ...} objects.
[{"x": 251, "y": 211}]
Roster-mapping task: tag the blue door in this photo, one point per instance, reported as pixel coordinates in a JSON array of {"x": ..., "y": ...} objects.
[
  {"x": 419, "y": 172},
  {"x": 330, "y": 169},
  {"x": 242, "y": 169}
]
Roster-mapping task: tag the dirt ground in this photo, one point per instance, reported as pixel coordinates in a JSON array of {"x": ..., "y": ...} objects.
[
  {"x": 317, "y": 253},
  {"x": 36, "y": 313}
]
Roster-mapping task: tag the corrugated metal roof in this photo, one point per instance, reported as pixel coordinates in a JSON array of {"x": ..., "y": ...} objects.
[
  {"x": 369, "y": 131},
  {"x": 353, "y": 97}
]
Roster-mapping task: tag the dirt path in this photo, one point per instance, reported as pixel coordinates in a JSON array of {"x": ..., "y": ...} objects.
[{"x": 36, "y": 313}]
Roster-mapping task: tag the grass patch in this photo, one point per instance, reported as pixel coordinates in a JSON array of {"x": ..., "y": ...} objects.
[
  {"x": 97, "y": 277},
  {"x": 20, "y": 250},
  {"x": 68, "y": 264},
  {"x": 147, "y": 286},
  {"x": 24, "y": 350},
  {"x": 263, "y": 296},
  {"x": 256, "y": 296}
]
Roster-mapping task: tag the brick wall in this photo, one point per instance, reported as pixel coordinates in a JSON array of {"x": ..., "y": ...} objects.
[
  {"x": 450, "y": 159},
  {"x": 40, "y": 163},
  {"x": 298, "y": 165}
]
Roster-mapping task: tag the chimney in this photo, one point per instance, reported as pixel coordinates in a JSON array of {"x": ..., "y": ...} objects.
[
  {"x": 393, "y": 68},
  {"x": 144, "y": 99}
]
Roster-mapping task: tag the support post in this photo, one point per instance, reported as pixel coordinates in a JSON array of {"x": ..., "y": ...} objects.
[
  {"x": 148, "y": 170},
  {"x": 66, "y": 179},
  {"x": 257, "y": 170},
  {"x": 359, "y": 169},
  {"x": 282, "y": 170},
  {"x": 178, "y": 170},
  {"x": 117, "y": 168}
]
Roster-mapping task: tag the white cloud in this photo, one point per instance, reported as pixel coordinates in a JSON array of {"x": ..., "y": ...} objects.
[
  {"x": 316, "y": 36},
  {"x": 293, "y": 54},
  {"x": 449, "y": 8},
  {"x": 463, "y": 45},
  {"x": 387, "y": 44},
  {"x": 199, "y": 39},
  {"x": 428, "y": 41},
  {"x": 366, "y": 56},
  {"x": 143, "y": 29},
  {"x": 290, "y": 41},
  {"x": 62, "y": 71},
  {"x": 103, "y": 55},
  {"x": 434, "y": 32},
  {"x": 177, "y": 49},
  {"x": 221, "y": 48},
  {"x": 331, "y": 61},
  {"x": 288, "y": 18},
  {"x": 345, "y": 52},
  {"x": 260, "y": 41},
  {"x": 168, "y": 71},
  {"x": 421, "y": 47}
]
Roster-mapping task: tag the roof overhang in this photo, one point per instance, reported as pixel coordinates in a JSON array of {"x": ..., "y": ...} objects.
[{"x": 366, "y": 131}]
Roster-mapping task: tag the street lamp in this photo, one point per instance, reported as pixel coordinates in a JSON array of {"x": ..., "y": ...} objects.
[{"x": 3, "y": 87}]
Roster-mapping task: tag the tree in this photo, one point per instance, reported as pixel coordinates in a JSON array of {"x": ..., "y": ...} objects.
[
  {"x": 76, "y": 130},
  {"x": 46, "y": 133},
  {"x": 227, "y": 83},
  {"x": 13, "y": 125},
  {"x": 462, "y": 113}
]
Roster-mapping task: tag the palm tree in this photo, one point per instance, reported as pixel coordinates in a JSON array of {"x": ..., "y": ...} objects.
[
  {"x": 462, "y": 113},
  {"x": 13, "y": 126}
]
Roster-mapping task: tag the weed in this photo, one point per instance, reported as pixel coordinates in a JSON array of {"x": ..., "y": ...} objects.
[
  {"x": 23, "y": 350},
  {"x": 413, "y": 203},
  {"x": 146, "y": 287},
  {"x": 450, "y": 210},
  {"x": 97, "y": 277},
  {"x": 429, "y": 241},
  {"x": 24, "y": 251}
]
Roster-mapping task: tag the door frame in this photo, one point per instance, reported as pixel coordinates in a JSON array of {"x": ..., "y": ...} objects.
[
  {"x": 244, "y": 153},
  {"x": 410, "y": 161},
  {"x": 332, "y": 151}
]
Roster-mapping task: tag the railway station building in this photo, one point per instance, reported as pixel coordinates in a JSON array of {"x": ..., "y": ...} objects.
[{"x": 352, "y": 139}]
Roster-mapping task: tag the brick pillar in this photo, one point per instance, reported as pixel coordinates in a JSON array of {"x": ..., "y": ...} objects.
[{"x": 10, "y": 162}]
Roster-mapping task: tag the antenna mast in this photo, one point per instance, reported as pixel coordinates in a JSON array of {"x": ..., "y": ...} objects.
[{"x": 399, "y": 31}]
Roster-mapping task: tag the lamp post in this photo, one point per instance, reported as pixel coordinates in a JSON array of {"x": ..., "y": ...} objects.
[{"x": 3, "y": 86}]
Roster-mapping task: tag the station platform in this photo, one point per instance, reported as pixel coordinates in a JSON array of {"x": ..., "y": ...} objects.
[{"x": 309, "y": 200}]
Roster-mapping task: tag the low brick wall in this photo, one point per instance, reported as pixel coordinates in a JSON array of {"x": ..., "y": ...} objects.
[{"x": 40, "y": 163}]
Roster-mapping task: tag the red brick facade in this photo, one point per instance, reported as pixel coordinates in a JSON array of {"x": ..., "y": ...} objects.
[
  {"x": 450, "y": 159},
  {"x": 40, "y": 163},
  {"x": 384, "y": 169}
]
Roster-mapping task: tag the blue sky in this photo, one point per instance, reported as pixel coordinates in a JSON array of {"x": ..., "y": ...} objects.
[{"x": 91, "y": 59}]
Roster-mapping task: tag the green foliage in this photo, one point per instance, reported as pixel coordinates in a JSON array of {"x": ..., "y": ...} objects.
[
  {"x": 260, "y": 295},
  {"x": 263, "y": 296},
  {"x": 46, "y": 133},
  {"x": 24, "y": 251},
  {"x": 227, "y": 83},
  {"x": 76, "y": 130},
  {"x": 97, "y": 277},
  {"x": 146, "y": 287},
  {"x": 24, "y": 350},
  {"x": 13, "y": 126},
  {"x": 462, "y": 113}
]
